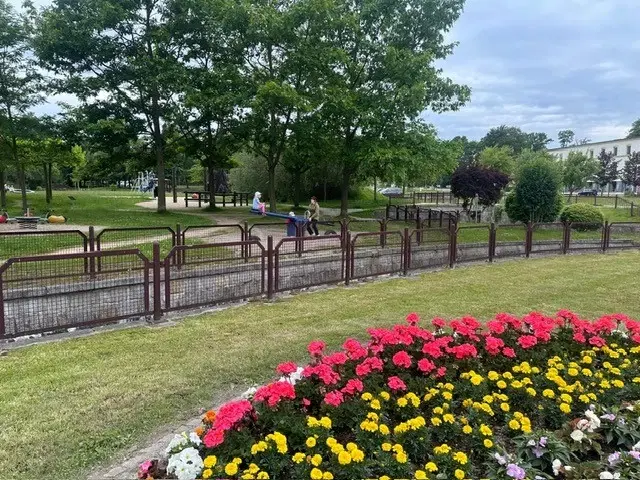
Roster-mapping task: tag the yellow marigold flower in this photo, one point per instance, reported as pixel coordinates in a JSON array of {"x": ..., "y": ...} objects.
[
  {"x": 487, "y": 399},
  {"x": 325, "y": 422},
  {"x": 438, "y": 411},
  {"x": 514, "y": 424},
  {"x": 467, "y": 403},
  {"x": 448, "y": 418},
  {"x": 566, "y": 398},
  {"x": 436, "y": 421},
  {"x": 584, "y": 398},
  {"x": 403, "y": 402},
  {"x": 366, "y": 396},
  {"x": 263, "y": 476},
  {"x": 459, "y": 474},
  {"x": 565, "y": 408},
  {"x": 298, "y": 457},
  {"x": 375, "y": 404},
  {"x": 476, "y": 380},
  {"x": 316, "y": 460},
  {"x": 493, "y": 376},
  {"x": 231, "y": 468},
  {"x": 420, "y": 475},
  {"x": 461, "y": 458},
  {"x": 401, "y": 457},
  {"x": 385, "y": 396},
  {"x": 210, "y": 461},
  {"x": 485, "y": 430},
  {"x": 447, "y": 395},
  {"x": 337, "y": 448},
  {"x": 316, "y": 474},
  {"x": 351, "y": 447},
  {"x": 431, "y": 467},
  {"x": 357, "y": 455},
  {"x": 442, "y": 449},
  {"x": 504, "y": 406},
  {"x": 384, "y": 477},
  {"x": 344, "y": 458},
  {"x": 586, "y": 372},
  {"x": 386, "y": 447},
  {"x": 617, "y": 383},
  {"x": 507, "y": 375},
  {"x": 501, "y": 384},
  {"x": 531, "y": 392},
  {"x": 312, "y": 422},
  {"x": 384, "y": 430},
  {"x": 311, "y": 442},
  {"x": 256, "y": 448},
  {"x": 518, "y": 415},
  {"x": 526, "y": 428},
  {"x": 548, "y": 393},
  {"x": 207, "y": 473},
  {"x": 253, "y": 468},
  {"x": 516, "y": 384},
  {"x": 487, "y": 443},
  {"x": 467, "y": 429}
]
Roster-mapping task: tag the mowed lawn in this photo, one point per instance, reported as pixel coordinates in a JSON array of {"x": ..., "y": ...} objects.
[{"x": 66, "y": 407}]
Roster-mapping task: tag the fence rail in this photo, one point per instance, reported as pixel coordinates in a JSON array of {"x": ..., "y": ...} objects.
[{"x": 49, "y": 293}]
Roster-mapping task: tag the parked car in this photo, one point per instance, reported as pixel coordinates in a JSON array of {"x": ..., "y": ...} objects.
[
  {"x": 588, "y": 192},
  {"x": 391, "y": 191}
]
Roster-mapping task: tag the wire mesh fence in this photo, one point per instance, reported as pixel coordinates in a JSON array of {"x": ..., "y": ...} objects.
[
  {"x": 308, "y": 261},
  {"x": 547, "y": 238},
  {"x": 622, "y": 236},
  {"x": 428, "y": 248},
  {"x": 138, "y": 237},
  {"x": 374, "y": 254},
  {"x": 473, "y": 243},
  {"x": 20, "y": 243},
  {"x": 583, "y": 237},
  {"x": 54, "y": 292},
  {"x": 211, "y": 273},
  {"x": 510, "y": 240}
]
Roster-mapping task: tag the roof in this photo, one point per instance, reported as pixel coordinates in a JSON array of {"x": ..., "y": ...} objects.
[{"x": 596, "y": 143}]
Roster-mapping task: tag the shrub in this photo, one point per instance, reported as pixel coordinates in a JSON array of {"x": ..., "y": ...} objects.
[
  {"x": 583, "y": 216},
  {"x": 536, "y": 196},
  {"x": 470, "y": 180},
  {"x": 532, "y": 397}
]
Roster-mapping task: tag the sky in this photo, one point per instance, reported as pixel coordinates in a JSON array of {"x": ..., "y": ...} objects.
[{"x": 541, "y": 65}]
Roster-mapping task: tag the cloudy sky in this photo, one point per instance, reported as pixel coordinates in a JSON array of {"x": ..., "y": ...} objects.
[{"x": 542, "y": 65}]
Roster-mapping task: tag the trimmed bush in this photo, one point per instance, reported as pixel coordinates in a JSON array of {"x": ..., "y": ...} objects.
[{"x": 584, "y": 216}]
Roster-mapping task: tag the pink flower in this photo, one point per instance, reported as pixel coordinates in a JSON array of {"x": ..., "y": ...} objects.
[
  {"x": 438, "y": 322},
  {"x": 597, "y": 341},
  {"x": 395, "y": 383},
  {"x": 413, "y": 318},
  {"x": 527, "y": 341},
  {"x": 323, "y": 371},
  {"x": 497, "y": 327},
  {"x": 425, "y": 365},
  {"x": 144, "y": 468},
  {"x": 355, "y": 349},
  {"x": 316, "y": 348},
  {"x": 337, "y": 358},
  {"x": 463, "y": 351},
  {"x": 493, "y": 345},
  {"x": 274, "y": 392},
  {"x": 334, "y": 398},
  {"x": 441, "y": 372},
  {"x": 402, "y": 359},
  {"x": 287, "y": 368},
  {"x": 353, "y": 386},
  {"x": 509, "y": 352},
  {"x": 213, "y": 438},
  {"x": 306, "y": 402}
]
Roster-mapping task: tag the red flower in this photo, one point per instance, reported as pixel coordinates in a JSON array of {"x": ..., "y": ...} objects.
[
  {"x": 337, "y": 358},
  {"x": 527, "y": 341},
  {"x": 579, "y": 337},
  {"x": 509, "y": 352},
  {"x": 368, "y": 365},
  {"x": 438, "y": 322},
  {"x": 402, "y": 359},
  {"x": 323, "y": 371},
  {"x": 493, "y": 345},
  {"x": 413, "y": 319},
  {"x": 316, "y": 348},
  {"x": 353, "y": 386},
  {"x": 497, "y": 327},
  {"x": 464, "y": 351},
  {"x": 441, "y": 372},
  {"x": 355, "y": 349},
  {"x": 213, "y": 438},
  {"x": 597, "y": 341},
  {"x": 274, "y": 392},
  {"x": 287, "y": 368},
  {"x": 334, "y": 398},
  {"x": 425, "y": 365},
  {"x": 395, "y": 383}
]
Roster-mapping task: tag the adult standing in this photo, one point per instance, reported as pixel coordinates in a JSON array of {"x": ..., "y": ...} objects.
[{"x": 314, "y": 217}]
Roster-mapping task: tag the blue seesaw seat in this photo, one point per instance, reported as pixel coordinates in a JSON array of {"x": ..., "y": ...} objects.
[{"x": 281, "y": 215}]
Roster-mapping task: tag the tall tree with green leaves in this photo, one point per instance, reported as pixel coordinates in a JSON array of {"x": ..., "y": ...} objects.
[
  {"x": 20, "y": 89},
  {"x": 635, "y": 129},
  {"x": 577, "y": 170},
  {"x": 631, "y": 172},
  {"x": 119, "y": 49},
  {"x": 607, "y": 169},
  {"x": 514, "y": 137},
  {"x": 565, "y": 138},
  {"x": 381, "y": 73},
  {"x": 498, "y": 158}
]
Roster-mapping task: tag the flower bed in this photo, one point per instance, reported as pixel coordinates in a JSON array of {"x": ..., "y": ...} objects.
[{"x": 535, "y": 397}]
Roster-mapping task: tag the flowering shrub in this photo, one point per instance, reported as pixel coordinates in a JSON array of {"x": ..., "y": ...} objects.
[{"x": 518, "y": 398}]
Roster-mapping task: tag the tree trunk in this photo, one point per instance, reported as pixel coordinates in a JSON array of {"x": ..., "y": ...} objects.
[
  {"x": 375, "y": 188},
  {"x": 272, "y": 186},
  {"x": 212, "y": 185},
  {"x": 158, "y": 141},
  {"x": 45, "y": 172},
  {"x": 49, "y": 186},
  {"x": 23, "y": 187},
  {"x": 3, "y": 193},
  {"x": 325, "y": 190},
  {"x": 344, "y": 193},
  {"x": 297, "y": 176}
]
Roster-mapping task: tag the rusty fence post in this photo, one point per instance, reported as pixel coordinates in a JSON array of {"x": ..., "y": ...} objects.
[
  {"x": 157, "y": 302},
  {"x": 492, "y": 242},
  {"x": 92, "y": 248},
  {"x": 566, "y": 239},
  {"x": 606, "y": 236},
  {"x": 178, "y": 240},
  {"x": 383, "y": 229},
  {"x": 269, "y": 267},
  {"x": 406, "y": 241},
  {"x": 347, "y": 257},
  {"x": 528, "y": 240},
  {"x": 2, "y": 319},
  {"x": 453, "y": 244}
]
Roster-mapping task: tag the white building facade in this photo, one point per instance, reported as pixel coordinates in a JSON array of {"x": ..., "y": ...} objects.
[{"x": 620, "y": 148}]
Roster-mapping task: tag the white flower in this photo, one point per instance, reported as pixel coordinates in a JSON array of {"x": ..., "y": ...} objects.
[
  {"x": 577, "y": 435},
  {"x": 194, "y": 438},
  {"x": 249, "y": 393},
  {"x": 531, "y": 443},
  {"x": 636, "y": 446},
  {"x": 556, "y": 465},
  {"x": 186, "y": 465},
  {"x": 609, "y": 476},
  {"x": 177, "y": 442},
  {"x": 582, "y": 424},
  {"x": 594, "y": 420},
  {"x": 294, "y": 377}
]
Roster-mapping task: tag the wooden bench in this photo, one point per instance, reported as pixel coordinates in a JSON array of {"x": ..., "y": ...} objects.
[
  {"x": 201, "y": 197},
  {"x": 233, "y": 198}
]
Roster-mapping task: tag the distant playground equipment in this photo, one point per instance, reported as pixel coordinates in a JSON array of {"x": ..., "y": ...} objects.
[
  {"x": 145, "y": 182},
  {"x": 294, "y": 222},
  {"x": 28, "y": 220}
]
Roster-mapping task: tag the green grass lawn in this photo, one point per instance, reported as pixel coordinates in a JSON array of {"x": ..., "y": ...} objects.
[
  {"x": 105, "y": 208},
  {"x": 66, "y": 407}
]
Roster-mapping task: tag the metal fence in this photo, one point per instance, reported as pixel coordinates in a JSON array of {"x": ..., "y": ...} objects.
[
  {"x": 21, "y": 243},
  {"x": 54, "y": 292}
]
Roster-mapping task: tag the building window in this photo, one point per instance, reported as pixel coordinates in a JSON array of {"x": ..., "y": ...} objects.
[
  {"x": 602, "y": 151},
  {"x": 628, "y": 149},
  {"x": 615, "y": 151},
  {"x": 590, "y": 153}
]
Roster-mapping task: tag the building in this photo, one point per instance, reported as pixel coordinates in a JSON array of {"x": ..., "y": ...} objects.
[{"x": 621, "y": 149}]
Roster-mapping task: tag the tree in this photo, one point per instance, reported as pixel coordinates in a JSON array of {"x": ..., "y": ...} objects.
[
  {"x": 470, "y": 149},
  {"x": 635, "y": 129},
  {"x": 607, "y": 169},
  {"x": 381, "y": 73},
  {"x": 582, "y": 141},
  {"x": 577, "y": 169},
  {"x": 536, "y": 196},
  {"x": 123, "y": 50},
  {"x": 565, "y": 138},
  {"x": 20, "y": 86},
  {"x": 515, "y": 138},
  {"x": 469, "y": 181},
  {"x": 631, "y": 172},
  {"x": 498, "y": 158}
]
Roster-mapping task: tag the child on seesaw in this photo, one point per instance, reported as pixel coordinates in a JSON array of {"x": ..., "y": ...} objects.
[{"x": 258, "y": 205}]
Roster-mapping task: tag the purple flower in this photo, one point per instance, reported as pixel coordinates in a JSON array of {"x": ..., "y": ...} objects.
[
  {"x": 614, "y": 458},
  {"x": 609, "y": 416},
  {"x": 635, "y": 454},
  {"x": 538, "y": 452},
  {"x": 514, "y": 471},
  {"x": 543, "y": 441}
]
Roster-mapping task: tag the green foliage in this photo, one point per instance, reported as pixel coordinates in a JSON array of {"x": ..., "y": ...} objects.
[
  {"x": 565, "y": 137},
  {"x": 536, "y": 196},
  {"x": 577, "y": 169},
  {"x": 587, "y": 217},
  {"x": 498, "y": 158},
  {"x": 631, "y": 172},
  {"x": 515, "y": 138},
  {"x": 471, "y": 181},
  {"x": 607, "y": 169},
  {"x": 635, "y": 129}
]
